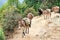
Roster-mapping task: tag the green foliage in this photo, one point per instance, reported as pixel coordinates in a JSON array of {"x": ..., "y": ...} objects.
[
  {"x": 22, "y": 8},
  {"x": 13, "y": 2},
  {"x": 42, "y": 3},
  {"x": 32, "y": 10},
  {"x": 33, "y": 3},
  {"x": 11, "y": 17},
  {"x": 2, "y": 36},
  {"x": 49, "y": 3},
  {"x": 3, "y": 7}
]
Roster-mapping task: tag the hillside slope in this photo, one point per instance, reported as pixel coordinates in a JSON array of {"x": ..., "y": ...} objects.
[{"x": 42, "y": 29}]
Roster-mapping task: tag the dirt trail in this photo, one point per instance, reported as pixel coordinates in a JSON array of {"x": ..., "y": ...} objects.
[{"x": 42, "y": 29}]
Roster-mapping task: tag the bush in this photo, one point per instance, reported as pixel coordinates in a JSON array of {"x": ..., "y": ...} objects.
[
  {"x": 32, "y": 10},
  {"x": 11, "y": 17},
  {"x": 2, "y": 36}
]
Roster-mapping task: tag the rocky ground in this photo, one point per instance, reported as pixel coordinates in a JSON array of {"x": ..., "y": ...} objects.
[{"x": 42, "y": 29}]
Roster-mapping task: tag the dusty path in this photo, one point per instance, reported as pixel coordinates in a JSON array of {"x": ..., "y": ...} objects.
[
  {"x": 29, "y": 36},
  {"x": 41, "y": 30}
]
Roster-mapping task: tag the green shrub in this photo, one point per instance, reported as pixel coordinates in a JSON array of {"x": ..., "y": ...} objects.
[
  {"x": 2, "y": 36},
  {"x": 11, "y": 17},
  {"x": 32, "y": 10}
]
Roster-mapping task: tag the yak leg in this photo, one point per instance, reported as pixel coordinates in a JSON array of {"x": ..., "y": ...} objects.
[
  {"x": 27, "y": 30},
  {"x": 45, "y": 17},
  {"x": 48, "y": 16},
  {"x": 23, "y": 32},
  {"x": 30, "y": 24}
]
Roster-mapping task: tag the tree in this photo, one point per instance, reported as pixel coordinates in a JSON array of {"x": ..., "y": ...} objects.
[
  {"x": 33, "y": 3},
  {"x": 30, "y": 10},
  {"x": 11, "y": 17},
  {"x": 42, "y": 3},
  {"x": 49, "y": 3},
  {"x": 13, "y": 3}
]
